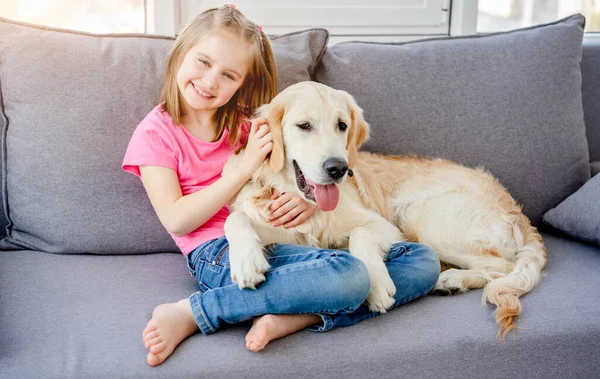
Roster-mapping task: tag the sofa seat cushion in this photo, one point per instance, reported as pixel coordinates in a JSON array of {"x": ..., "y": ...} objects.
[{"x": 82, "y": 316}]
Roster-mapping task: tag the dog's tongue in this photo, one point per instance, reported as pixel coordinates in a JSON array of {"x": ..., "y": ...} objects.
[{"x": 326, "y": 196}]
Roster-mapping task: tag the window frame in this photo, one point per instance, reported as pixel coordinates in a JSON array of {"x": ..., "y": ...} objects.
[{"x": 164, "y": 18}]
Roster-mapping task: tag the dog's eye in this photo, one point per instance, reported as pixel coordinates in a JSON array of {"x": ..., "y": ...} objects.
[
  {"x": 342, "y": 126},
  {"x": 304, "y": 125}
]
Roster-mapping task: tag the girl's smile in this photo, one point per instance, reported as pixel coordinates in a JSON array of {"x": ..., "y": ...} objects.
[{"x": 202, "y": 93}]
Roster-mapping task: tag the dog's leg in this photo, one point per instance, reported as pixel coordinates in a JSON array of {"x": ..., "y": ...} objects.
[
  {"x": 246, "y": 254},
  {"x": 371, "y": 244},
  {"x": 455, "y": 281},
  {"x": 246, "y": 257},
  {"x": 478, "y": 271}
]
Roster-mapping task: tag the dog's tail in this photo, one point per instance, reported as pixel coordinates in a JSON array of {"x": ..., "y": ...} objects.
[{"x": 504, "y": 292}]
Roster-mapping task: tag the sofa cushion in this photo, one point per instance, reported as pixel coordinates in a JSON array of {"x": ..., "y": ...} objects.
[
  {"x": 510, "y": 102},
  {"x": 3, "y": 215},
  {"x": 71, "y": 101},
  {"x": 595, "y": 166},
  {"x": 579, "y": 214},
  {"x": 82, "y": 316},
  {"x": 590, "y": 91}
]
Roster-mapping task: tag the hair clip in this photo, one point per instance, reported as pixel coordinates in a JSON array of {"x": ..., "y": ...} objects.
[
  {"x": 231, "y": 5},
  {"x": 260, "y": 28}
]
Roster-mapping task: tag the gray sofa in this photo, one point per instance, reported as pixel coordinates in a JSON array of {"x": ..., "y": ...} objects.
[{"x": 84, "y": 260}]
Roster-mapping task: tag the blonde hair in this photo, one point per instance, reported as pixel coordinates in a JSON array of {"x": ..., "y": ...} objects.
[{"x": 259, "y": 85}]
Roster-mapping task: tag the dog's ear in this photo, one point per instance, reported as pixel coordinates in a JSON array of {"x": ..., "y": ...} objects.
[
  {"x": 359, "y": 130},
  {"x": 274, "y": 113}
]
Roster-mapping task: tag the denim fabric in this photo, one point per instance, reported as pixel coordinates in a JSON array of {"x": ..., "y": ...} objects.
[{"x": 303, "y": 280}]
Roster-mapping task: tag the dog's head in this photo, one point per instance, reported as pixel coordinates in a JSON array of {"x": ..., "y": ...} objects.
[{"x": 317, "y": 131}]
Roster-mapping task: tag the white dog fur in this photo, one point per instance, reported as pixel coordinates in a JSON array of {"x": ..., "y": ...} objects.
[{"x": 477, "y": 229}]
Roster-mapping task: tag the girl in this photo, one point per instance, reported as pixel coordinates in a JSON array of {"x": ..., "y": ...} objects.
[{"x": 220, "y": 70}]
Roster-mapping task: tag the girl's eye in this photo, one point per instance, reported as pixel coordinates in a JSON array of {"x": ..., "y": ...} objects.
[
  {"x": 342, "y": 125},
  {"x": 203, "y": 62},
  {"x": 229, "y": 76},
  {"x": 304, "y": 125}
]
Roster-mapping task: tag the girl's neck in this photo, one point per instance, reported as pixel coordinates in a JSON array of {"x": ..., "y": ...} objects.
[{"x": 201, "y": 125}]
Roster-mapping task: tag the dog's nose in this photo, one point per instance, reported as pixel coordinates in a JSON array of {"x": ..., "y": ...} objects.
[{"x": 335, "y": 167}]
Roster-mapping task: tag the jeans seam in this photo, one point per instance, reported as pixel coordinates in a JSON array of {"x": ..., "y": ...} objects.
[
  {"x": 219, "y": 257},
  {"x": 203, "y": 287},
  {"x": 191, "y": 267},
  {"x": 286, "y": 256},
  {"x": 193, "y": 260},
  {"x": 327, "y": 324},
  {"x": 314, "y": 263},
  {"x": 332, "y": 254},
  {"x": 197, "y": 259},
  {"x": 205, "y": 325}
]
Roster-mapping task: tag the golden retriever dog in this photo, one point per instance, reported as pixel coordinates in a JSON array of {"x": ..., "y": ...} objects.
[{"x": 368, "y": 201}]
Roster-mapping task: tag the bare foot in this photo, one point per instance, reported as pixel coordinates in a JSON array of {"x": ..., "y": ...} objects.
[
  {"x": 271, "y": 327},
  {"x": 170, "y": 324}
]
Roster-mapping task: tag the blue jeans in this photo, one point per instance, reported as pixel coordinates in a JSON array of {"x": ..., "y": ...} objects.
[{"x": 303, "y": 280}]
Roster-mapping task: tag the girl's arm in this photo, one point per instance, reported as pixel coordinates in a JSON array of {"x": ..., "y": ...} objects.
[{"x": 180, "y": 214}]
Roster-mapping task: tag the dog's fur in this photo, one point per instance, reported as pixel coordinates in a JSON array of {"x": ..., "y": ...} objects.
[{"x": 477, "y": 229}]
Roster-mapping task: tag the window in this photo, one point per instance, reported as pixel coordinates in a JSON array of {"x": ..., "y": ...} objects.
[
  {"x": 377, "y": 20},
  {"x": 106, "y": 16},
  {"x": 500, "y": 15},
  {"x": 345, "y": 19}
]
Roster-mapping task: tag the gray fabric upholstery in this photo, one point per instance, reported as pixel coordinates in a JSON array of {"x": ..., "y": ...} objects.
[
  {"x": 72, "y": 101},
  {"x": 579, "y": 215},
  {"x": 297, "y": 55},
  {"x": 3, "y": 215},
  {"x": 89, "y": 322},
  {"x": 510, "y": 102},
  {"x": 595, "y": 166},
  {"x": 590, "y": 89}
]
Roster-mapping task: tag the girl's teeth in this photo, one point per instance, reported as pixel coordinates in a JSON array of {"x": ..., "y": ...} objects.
[{"x": 202, "y": 92}]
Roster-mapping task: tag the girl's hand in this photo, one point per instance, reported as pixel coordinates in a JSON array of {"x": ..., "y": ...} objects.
[
  {"x": 260, "y": 144},
  {"x": 289, "y": 210}
]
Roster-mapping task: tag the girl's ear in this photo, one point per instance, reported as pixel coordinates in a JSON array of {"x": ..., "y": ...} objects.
[
  {"x": 358, "y": 133},
  {"x": 274, "y": 114}
]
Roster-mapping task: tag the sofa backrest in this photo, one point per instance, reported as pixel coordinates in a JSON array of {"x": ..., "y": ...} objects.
[
  {"x": 590, "y": 89},
  {"x": 589, "y": 71},
  {"x": 509, "y": 102},
  {"x": 70, "y": 103}
]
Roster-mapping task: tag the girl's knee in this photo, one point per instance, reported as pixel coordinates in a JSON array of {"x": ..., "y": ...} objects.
[
  {"x": 353, "y": 284},
  {"x": 429, "y": 262},
  {"x": 421, "y": 256}
]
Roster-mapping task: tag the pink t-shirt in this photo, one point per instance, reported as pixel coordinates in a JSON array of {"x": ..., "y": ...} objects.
[{"x": 157, "y": 141}]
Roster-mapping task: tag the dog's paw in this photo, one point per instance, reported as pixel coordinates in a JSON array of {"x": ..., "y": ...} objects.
[
  {"x": 379, "y": 302},
  {"x": 381, "y": 297},
  {"x": 248, "y": 267},
  {"x": 449, "y": 283}
]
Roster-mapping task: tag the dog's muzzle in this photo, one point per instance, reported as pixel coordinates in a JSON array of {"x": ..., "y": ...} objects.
[{"x": 335, "y": 167}]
